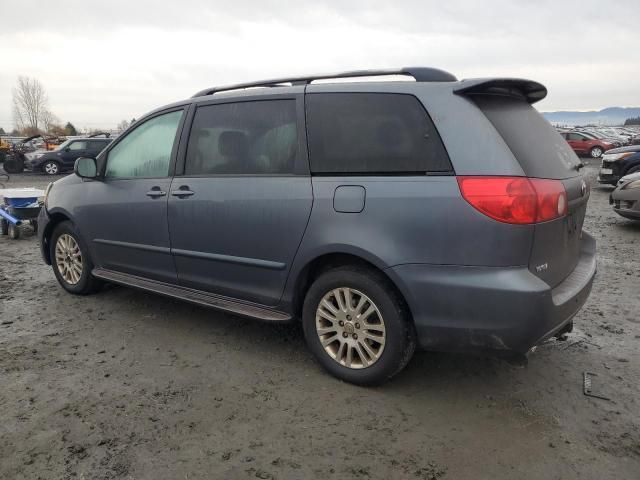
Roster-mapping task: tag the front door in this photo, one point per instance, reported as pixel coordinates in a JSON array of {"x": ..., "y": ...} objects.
[
  {"x": 577, "y": 142},
  {"x": 238, "y": 213},
  {"x": 125, "y": 221},
  {"x": 74, "y": 150}
]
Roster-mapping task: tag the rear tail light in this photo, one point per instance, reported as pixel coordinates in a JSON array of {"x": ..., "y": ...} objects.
[{"x": 518, "y": 200}]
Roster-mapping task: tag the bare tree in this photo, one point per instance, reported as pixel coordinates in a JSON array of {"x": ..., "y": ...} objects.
[
  {"x": 30, "y": 103},
  {"x": 122, "y": 126},
  {"x": 49, "y": 121}
]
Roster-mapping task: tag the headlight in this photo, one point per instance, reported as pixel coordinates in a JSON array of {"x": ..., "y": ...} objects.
[
  {"x": 634, "y": 184},
  {"x": 612, "y": 157},
  {"x": 38, "y": 155},
  {"x": 46, "y": 195}
]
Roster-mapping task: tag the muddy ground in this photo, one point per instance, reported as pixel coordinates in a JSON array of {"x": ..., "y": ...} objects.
[{"x": 124, "y": 384}]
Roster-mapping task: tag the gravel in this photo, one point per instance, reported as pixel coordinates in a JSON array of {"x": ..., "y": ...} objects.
[{"x": 124, "y": 384}]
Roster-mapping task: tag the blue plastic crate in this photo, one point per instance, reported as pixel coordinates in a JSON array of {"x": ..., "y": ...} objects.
[{"x": 20, "y": 202}]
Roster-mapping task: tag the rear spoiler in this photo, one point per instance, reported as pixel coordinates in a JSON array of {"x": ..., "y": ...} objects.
[{"x": 517, "y": 87}]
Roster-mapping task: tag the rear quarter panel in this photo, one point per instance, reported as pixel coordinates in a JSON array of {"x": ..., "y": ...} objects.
[{"x": 408, "y": 220}]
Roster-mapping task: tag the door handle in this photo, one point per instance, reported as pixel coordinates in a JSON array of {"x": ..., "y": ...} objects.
[
  {"x": 156, "y": 192},
  {"x": 182, "y": 192}
]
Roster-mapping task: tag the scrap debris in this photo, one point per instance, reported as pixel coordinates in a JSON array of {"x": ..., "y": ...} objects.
[{"x": 586, "y": 386}]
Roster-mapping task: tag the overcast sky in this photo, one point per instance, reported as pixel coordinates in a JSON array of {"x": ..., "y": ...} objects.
[{"x": 102, "y": 62}]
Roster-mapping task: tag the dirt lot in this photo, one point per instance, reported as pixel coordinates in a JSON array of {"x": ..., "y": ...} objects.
[{"x": 124, "y": 384}]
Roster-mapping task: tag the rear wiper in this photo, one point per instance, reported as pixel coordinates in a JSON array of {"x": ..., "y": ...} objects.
[{"x": 579, "y": 165}]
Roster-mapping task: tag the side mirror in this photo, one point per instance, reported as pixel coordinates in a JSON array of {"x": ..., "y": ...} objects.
[
  {"x": 85, "y": 168},
  {"x": 585, "y": 139},
  {"x": 67, "y": 149}
]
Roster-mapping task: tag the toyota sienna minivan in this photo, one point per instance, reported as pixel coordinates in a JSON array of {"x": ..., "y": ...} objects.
[{"x": 384, "y": 215}]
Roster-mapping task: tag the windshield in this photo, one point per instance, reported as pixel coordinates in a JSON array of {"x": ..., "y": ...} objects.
[
  {"x": 588, "y": 135},
  {"x": 62, "y": 146},
  {"x": 597, "y": 135}
]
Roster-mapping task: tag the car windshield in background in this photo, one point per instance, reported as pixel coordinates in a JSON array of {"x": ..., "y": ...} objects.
[{"x": 62, "y": 146}]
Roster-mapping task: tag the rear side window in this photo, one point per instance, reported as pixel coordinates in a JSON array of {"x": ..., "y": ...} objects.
[
  {"x": 244, "y": 138},
  {"x": 78, "y": 146},
  {"x": 369, "y": 133},
  {"x": 539, "y": 149},
  {"x": 98, "y": 145}
]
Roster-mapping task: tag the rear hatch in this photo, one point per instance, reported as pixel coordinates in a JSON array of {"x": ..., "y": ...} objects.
[{"x": 543, "y": 153}]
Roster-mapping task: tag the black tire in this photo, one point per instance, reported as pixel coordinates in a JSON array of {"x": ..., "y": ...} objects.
[
  {"x": 87, "y": 283},
  {"x": 4, "y": 227},
  {"x": 51, "y": 167},
  {"x": 400, "y": 342},
  {"x": 596, "y": 152},
  {"x": 13, "y": 231},
  {"x": 13, "y": 165}
]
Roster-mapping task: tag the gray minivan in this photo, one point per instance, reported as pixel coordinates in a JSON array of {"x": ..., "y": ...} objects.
[{"x": 385, "y": 215}]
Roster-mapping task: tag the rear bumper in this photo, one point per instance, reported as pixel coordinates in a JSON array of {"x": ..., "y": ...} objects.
[{"x": 503, "y": 310}]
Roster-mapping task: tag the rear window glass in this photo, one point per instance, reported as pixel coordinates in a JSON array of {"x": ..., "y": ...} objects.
[
  {"x": 539, "y": 149},
  {"x": 372, "y": 133}
]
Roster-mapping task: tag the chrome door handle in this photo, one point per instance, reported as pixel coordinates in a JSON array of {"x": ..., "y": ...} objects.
[
  {"x": 153, "y": 193},
  {"x": 182, "y": 192}
]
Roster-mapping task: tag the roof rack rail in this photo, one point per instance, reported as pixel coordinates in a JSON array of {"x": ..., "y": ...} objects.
[{"x": 420, "y": 74}]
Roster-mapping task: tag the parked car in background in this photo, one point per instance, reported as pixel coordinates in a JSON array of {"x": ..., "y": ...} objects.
[
  {"x": 626, "y": 197},
  {"x": 597, "y": 135},
  {"x": 619, "y": 162},
  {"x": 614, "y": 132},
  {"x": 586, "y": 145},
  {"x": 16, "y": 157},
  {"x": 353, "y": 207},
  {"x": 64, "y": 157}
]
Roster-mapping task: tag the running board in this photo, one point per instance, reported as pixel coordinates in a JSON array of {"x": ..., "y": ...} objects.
[{"x": 198, "y": 297}]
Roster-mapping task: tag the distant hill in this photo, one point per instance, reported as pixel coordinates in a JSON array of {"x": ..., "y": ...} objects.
[{"x": 607, "y": 116}]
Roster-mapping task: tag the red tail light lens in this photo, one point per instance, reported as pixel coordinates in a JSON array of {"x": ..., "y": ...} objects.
[{"x": 518, "y": 200}]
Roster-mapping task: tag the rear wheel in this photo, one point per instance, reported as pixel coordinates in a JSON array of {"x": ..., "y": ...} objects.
[
  {"x": 357, "y": 326},
  {"x": 71, "y": 261},
  {"x": 596, "y": 152},
  {"x": 51, "y": 167}
]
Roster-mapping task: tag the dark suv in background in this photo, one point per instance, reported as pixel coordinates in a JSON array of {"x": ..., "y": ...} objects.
[
  {"x": 64, "y": 157},
  {"x": 619, "y": 162},
  {"x": 438, "y": 213}
]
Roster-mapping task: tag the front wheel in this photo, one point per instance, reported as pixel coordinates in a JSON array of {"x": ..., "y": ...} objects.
[
  {"x": 71, "y": 261},
  {"x": 357, "y": 326},
  {"x": 13, "y": 165},
  {"x": 596, "y": 152},
  {"x": 51, "y": 167}
]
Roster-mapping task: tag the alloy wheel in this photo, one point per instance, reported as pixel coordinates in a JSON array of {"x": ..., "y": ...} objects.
[
  {"x": 68, "y": 259},
  {"x": 596, "y": 152},
  {"x": 51, "y": 168},
  {"x": 350, "y": 328}
]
